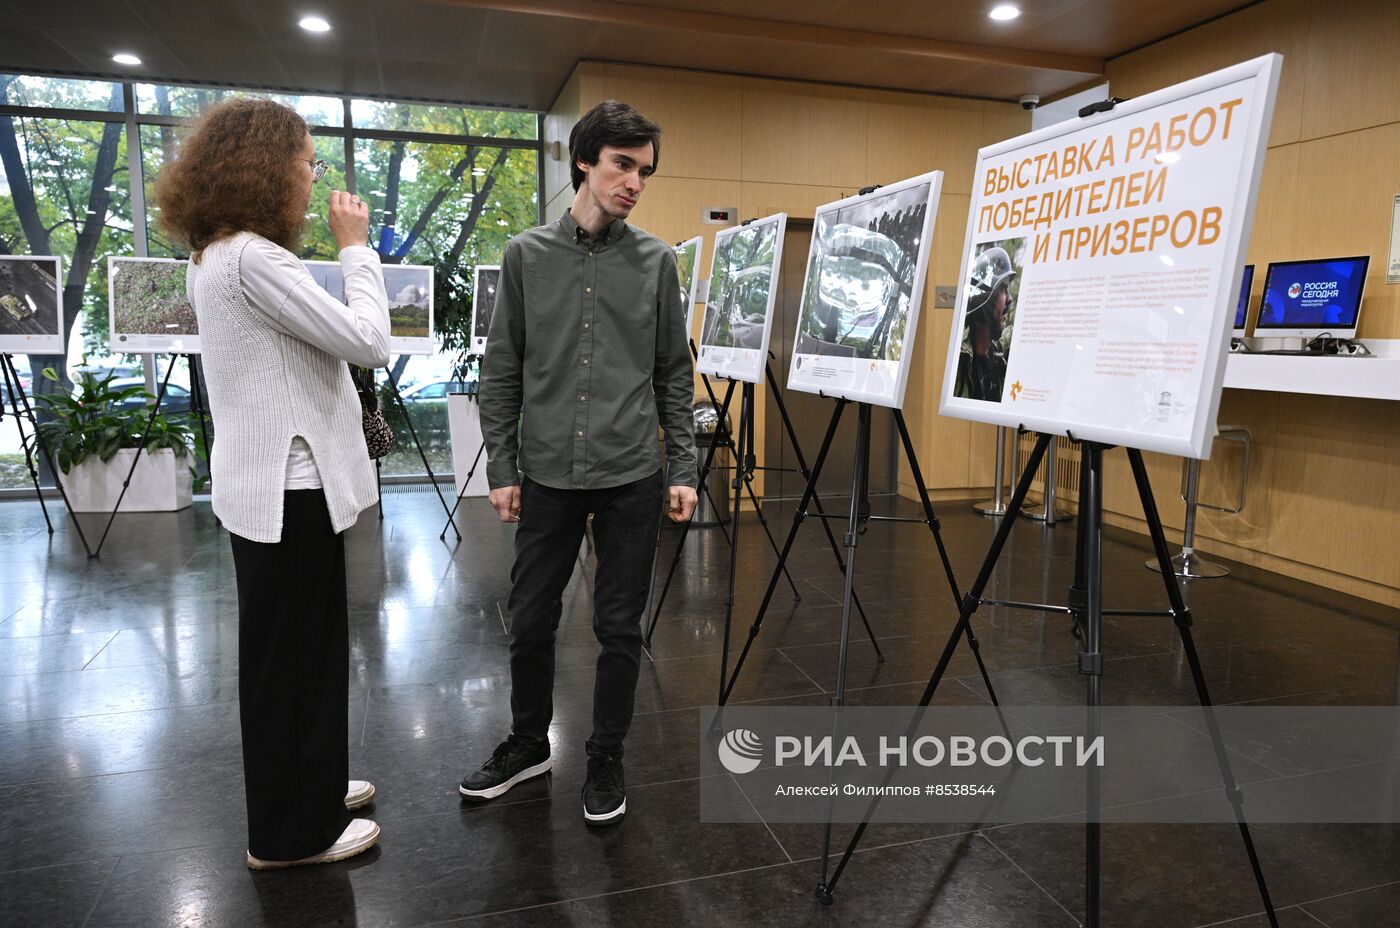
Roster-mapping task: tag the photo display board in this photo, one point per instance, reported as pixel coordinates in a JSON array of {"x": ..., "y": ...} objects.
[
  {"x": 31, "y": 304},
  {"x": 861, "y": 295},
  {"x": 410, "y": 291},
  {"x": 148, "y": 310},
  {"x": 688, "y": 270},
  {"x": 484, "y": 281},
  {"x": 1102, "y": 264},
  {"x": 739, "y": 309}
]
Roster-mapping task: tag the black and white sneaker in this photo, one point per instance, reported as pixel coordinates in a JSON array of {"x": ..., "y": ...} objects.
[
  {"x": 604, "y": 796},
  {"x": 513, "y": 762}
]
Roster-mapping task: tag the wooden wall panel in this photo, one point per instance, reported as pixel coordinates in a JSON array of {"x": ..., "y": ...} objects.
[
  {"x": 1352, "y": 68},
  {"x": 1324, "y": 482},
  {"x": 804, "y": 134},
  {"x": 910, "y": 136},
  {"x": 700, "y": 116},
  {"x": 1344, "y": 206}
]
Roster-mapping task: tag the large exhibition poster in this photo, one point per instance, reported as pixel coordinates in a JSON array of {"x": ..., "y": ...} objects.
[
  {"x": 31, "y": 304},
  {"x": 147, "y": 306},
  {"x": 1102, "y": 266},
  {"x": 410, "y": 291},
  {"x": 688, "y": 270},
  {"x": 861, "y": 296},
  {"x": 484, "y": 281},
  {"x": 739, "y": 309}
]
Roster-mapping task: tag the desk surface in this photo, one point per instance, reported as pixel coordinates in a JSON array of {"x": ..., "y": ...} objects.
[{"x": 1323, "y": 375}]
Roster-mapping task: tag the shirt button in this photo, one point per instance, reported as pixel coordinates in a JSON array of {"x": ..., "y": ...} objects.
[
  {"x": 585, "y": 325},
  {"x": 585, "y": 360},
  {"x": 582, "y": 397},
  {"x": 587, "y": 289},
  {"x": 579, "y": 434}
]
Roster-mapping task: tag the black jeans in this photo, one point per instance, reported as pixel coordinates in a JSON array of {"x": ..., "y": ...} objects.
[
  {"x": 294, "y": 681},
  {"x": 547, "y": 541}
]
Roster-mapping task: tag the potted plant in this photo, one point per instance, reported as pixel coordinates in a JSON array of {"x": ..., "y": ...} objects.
[{"x": 94, "y": 435}]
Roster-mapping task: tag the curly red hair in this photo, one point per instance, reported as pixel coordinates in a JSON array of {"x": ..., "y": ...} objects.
[{"x": 237, "y": 171}]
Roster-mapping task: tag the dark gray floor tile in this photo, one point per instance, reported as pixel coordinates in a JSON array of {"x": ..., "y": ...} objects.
[
  {"x": 1378, "y": 906},
  {"x": 53, "y": 897},
  {"x": 957, "y": 882}
]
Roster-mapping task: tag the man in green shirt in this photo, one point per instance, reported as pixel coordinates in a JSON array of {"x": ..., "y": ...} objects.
[{"x": 586, "y": 357}]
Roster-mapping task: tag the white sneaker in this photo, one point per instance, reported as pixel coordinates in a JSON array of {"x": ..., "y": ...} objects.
[
  {"x": 360, "y": 793},
  {"x": 359, "y": 836}
]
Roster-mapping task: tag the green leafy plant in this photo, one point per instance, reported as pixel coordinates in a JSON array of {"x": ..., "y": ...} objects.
[{"x": 97, "y": 420}]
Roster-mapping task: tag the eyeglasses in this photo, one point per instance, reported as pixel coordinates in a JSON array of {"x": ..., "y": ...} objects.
[{"x": 318, "y": 168}]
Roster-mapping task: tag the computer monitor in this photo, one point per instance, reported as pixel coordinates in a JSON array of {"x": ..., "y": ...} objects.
[
  {"x": 1305, "y": 299},
  {"x": 1242, "y": 308}
]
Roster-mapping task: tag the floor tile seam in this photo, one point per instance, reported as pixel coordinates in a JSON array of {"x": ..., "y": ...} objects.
[
  {"x": 1350, "y": 892},
  {"x": 616, "y": 892},
  {"x": 465, "y": 806},
  {"x": 103, "y": 715},
  {"x": 786, "y": 657},
  {"x": 198, "y": 704},
  {"x": 769, "y": 828},
  {"x": 866, "y": 848},
  {"x": 55, "y": 781},
  {"x": 1236, "y": 751},
  {"x": 1034, "y": 882},
  {"x": 97, "y": 898},
  {"x": 757, "y": 647},
  {"x": 1236, "y": 919},
  {"x": 114, "y": 858},
  {"x": 827, "y": 644}
]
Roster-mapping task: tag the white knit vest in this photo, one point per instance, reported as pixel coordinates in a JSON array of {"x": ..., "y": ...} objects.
[{"x": 264, "y": 388}]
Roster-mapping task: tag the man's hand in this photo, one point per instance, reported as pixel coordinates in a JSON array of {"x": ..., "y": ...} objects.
[
  {"x": 680, "y": 503},
  {"x": 506, "y": 502}
]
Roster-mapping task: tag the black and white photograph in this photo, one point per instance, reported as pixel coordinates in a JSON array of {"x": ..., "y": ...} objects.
[
  {"x": 483, "y": 302},
  {"x": 860, "y": 277},
  {"x": 991, "y": 289},
  {"x": 31, "y": 300},
  {"x": 862, "y": 292}
]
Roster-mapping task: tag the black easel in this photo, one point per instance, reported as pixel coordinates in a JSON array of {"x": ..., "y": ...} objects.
[
  {"x": 470, "y": 473},
  {"x": 1085, "y": 607},
  {"x": 18, "y": 397},
  {"x": 857, "y": 520},
  {"x": 432, "y": 478},
  {"x": 136, "y": 458},
  {"x": 745, "y": 466},
  {"x": 196, "y": 407}
]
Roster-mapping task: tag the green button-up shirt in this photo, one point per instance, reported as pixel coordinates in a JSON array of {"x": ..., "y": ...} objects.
[{"x": 586, "y": 357}]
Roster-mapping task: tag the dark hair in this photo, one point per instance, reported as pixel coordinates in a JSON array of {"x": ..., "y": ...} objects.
[
  {"x": 614, "y": 123},
  {"x": 236, "y": 172}
]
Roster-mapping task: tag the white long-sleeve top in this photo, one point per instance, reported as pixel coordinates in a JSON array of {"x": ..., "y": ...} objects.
[
  {"x": 274, "y": 346},
  {"x": 286, "y": 297}
]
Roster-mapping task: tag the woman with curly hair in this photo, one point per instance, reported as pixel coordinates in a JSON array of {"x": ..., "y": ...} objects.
[{"x": 290, "y": 471}]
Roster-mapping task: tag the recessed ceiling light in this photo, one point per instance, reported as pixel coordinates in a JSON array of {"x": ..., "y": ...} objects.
[
  {"x": 1005, "y": 12},
  {"x": 314, "y": 24},
  {"x": 126, "y": 58}
]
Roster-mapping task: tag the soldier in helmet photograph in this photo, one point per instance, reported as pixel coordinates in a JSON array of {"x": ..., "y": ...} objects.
[{"x": 992, "y": 286}]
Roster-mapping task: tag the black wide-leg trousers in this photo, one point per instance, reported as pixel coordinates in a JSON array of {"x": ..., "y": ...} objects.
[
  {"x": 547, "y": 540},
  {"x": 293, "y": 682}
]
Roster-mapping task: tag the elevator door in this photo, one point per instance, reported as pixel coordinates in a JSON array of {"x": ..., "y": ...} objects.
[{"x": 811, "y": 413}]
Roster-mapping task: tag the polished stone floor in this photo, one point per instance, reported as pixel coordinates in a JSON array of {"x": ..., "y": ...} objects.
[{"x": 121, "y": 787}]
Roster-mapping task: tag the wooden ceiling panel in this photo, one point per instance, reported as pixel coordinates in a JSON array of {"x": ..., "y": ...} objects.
[
  {"x": 429, "y": 32},
  {"x": 94, "y": 51},
  {"x": 521, "y": 52}
]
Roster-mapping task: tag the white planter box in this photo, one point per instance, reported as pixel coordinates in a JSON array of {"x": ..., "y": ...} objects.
[{"x": 162, "y": 483}]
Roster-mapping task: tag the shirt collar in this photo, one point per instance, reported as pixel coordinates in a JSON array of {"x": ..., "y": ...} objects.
[{"x": 576, "y": 233}]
